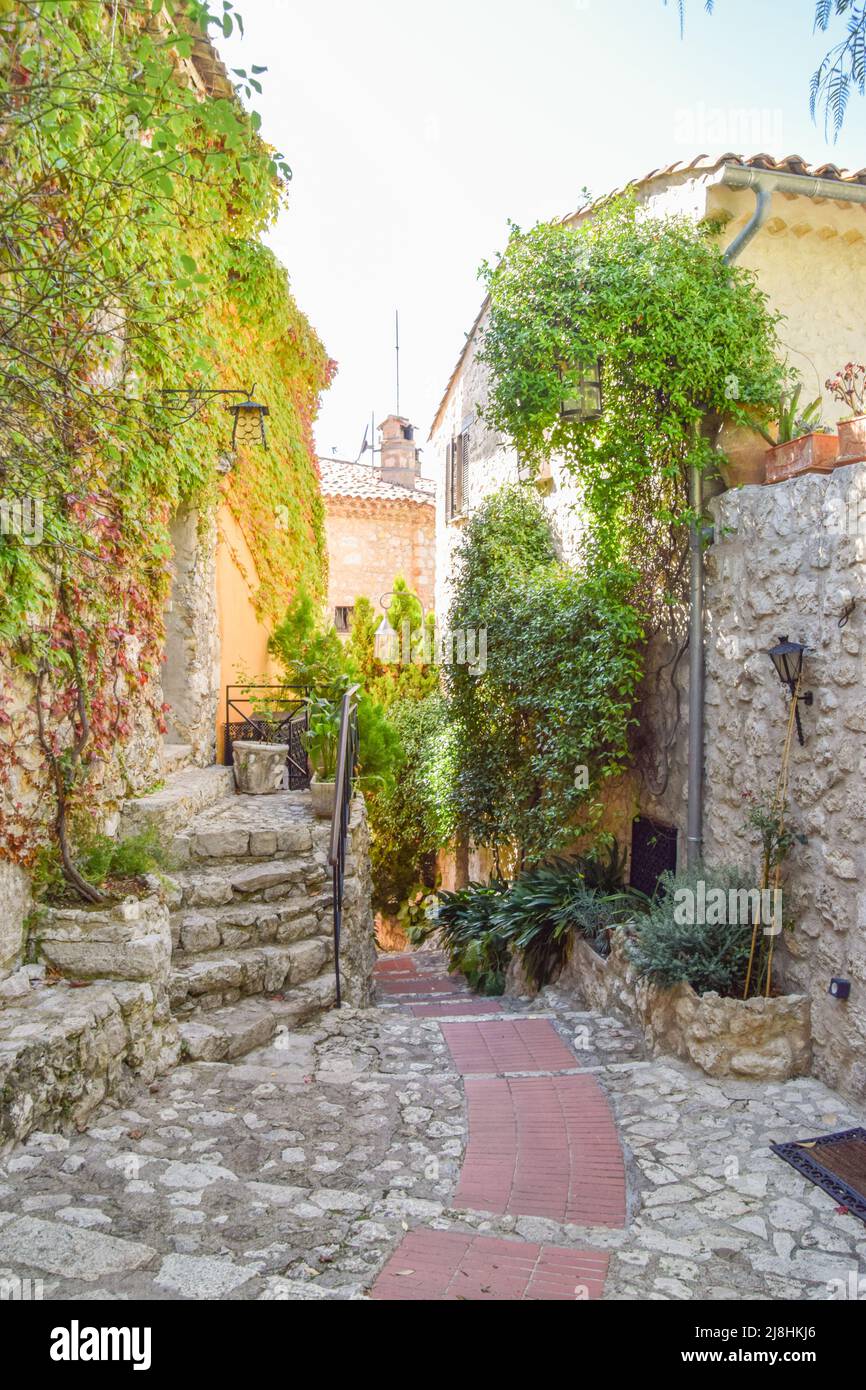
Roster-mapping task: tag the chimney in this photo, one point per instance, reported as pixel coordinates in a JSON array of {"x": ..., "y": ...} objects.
[{"x": 399, "y": 461}]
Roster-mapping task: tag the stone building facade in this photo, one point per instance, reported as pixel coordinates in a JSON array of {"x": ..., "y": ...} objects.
[
  {"x": 380, "y": 522},
  {"x": 790, "y": 560},
  {"x": 787, "y": 559}
]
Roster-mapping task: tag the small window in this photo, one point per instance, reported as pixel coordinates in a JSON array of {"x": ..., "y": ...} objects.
[
  {"x": 653, "y": 852},
  {"x": 343, "y": 619},
  {"x": 456, "y": 475}
]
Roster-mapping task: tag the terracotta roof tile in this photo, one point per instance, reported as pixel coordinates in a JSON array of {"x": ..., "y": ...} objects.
[{"x": 340, "y": 478}]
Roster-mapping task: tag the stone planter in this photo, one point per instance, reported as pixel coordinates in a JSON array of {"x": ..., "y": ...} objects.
[
  {"x": 755, "y": 1039},
  {"x": 852, "y": 439},
  {"x": 811, "y": 453},
  {"x": 323, "y": 795},
  {"x": 122, "y": 941},
  {"x": 259, "y": 767}
]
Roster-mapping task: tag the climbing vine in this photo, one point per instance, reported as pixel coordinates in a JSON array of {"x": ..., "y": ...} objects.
[
  {"x": 684, "y": 341},
  {"x": 131, "y": 205}
]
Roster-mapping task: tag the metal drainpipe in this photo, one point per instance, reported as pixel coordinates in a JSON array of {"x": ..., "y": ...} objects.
[
  {"x": 763, "y": 182},
  {"x": 695, "y": 812}
]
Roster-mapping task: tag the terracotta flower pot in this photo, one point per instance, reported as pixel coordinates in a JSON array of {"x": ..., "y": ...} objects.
[
  {"x": 811, "y": 453},
  {"x": 852, "y": 439},
  {"x": 745, "y": 456}
]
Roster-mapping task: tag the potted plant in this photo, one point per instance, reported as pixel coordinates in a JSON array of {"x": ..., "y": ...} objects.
[
  {"x": 848, "y": 387},
  {"x": 801, "y": 444},
  {"x": 321, "y": 741}
]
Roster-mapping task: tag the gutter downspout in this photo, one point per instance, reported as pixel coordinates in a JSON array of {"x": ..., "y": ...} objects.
[
  {"x": 763, "y": 182},
  {"x": 695, "y": 805}
]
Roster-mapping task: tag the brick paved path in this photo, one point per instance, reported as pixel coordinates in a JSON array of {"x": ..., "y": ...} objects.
[{"x": 542, "y": 1142}]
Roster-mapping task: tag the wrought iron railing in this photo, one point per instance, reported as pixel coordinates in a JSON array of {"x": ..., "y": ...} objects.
[{"x": 347, "y": 762}]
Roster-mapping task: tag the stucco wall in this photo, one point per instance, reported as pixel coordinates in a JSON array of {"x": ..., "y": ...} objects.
[
  {"x": 243, "y": 638},
  {"x": 787, "y": 561},
  {"x": 371, "y": 542}
]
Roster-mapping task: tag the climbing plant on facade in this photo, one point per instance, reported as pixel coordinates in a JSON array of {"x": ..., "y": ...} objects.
[
  {"x": 131, "y": 205},
  {"x": 684, "y": 341}
]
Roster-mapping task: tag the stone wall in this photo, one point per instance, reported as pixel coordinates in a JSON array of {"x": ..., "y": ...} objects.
[
  {"x": 15, "y": 903},
  {"x": 358, "y": 935},
  {"x": 190, "y": 671},
  {"x": 371, "y": 541},
  {"x": 788, "y": 560},
  {"x": 758, "y": 1039}
]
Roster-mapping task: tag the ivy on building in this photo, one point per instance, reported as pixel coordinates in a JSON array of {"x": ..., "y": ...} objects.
[{"x": 132, "y": 202}]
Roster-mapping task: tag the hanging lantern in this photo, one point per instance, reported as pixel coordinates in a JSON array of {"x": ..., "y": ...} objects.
[
  {"x": 249, "y": 423},
  {"x": 787, "y": 658},
  {"x": 581, "y": 385},
  {"x": 386, "y": 644}
]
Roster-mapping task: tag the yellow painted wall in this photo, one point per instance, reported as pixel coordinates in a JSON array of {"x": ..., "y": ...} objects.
[{"x": 243, "y": 638}]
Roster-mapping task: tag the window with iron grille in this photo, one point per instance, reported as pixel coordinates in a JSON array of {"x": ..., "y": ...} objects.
[{"x": 343, "y": 619}]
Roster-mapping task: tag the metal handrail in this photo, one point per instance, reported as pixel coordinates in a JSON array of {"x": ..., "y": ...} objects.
[{"x": 344, "y": 786}]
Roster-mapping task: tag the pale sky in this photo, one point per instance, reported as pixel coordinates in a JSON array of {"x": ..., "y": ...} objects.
[{"x": 416, "y": 131}]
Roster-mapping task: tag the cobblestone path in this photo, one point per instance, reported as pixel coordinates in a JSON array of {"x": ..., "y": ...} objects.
[{"x": 437, "y": 1146}]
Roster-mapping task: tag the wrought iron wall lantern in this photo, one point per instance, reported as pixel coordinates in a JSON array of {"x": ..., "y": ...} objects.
[
  {"x": 581, "y": 391},
  {"x": 249, "y": 422},
  {"x": 787, "y": 657},
  {"x": 248, "y": 415},
  {"x": 386, "y": 642}
]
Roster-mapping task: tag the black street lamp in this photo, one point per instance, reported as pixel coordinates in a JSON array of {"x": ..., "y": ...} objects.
[{"x": 787, "y": 657}]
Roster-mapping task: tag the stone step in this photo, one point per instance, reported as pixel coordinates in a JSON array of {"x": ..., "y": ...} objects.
[
  {"x": 65, "y": 1050},
  {"x": 248, "y": 832},
  {"x": 224, "y": 977},
  {"x": 183, "y": 795},
  {"x": 176, "y": 756},
  {"x": 269, "y": 881},
  {"x": 199, "y": 930},
  {"x": 234, "y": 1029}
]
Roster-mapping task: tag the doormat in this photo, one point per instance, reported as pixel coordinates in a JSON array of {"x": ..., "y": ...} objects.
[{"x": 834, "y": 1162}]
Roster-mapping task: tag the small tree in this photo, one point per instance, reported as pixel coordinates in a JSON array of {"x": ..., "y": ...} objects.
[{"x": 538, "y": 732}]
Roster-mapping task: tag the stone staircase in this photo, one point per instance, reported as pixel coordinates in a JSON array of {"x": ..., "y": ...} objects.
[
  {"x": 232, "y": 948},
  {"x": 251, "y": 923}
]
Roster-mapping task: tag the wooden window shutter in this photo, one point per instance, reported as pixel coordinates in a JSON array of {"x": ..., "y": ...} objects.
[
  {"x": 457, "y": 496},
  {"x": 449, "y": 469}
]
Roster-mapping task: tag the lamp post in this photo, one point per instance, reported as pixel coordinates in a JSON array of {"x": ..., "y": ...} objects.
[{"x": 787, "y": 657}]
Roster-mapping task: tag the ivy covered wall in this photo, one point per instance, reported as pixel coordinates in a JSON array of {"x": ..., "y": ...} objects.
[{"x": 135, "y": 188}]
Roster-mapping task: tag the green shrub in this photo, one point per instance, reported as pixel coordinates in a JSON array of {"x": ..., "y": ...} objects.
[
  {"x": 552, "y": 902},
  {"x": 409, "y": 820},
  {"x": 474, "y": 946},
  {"x": 100, "y": 859},
  {"x": 707, "y": 955}
]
